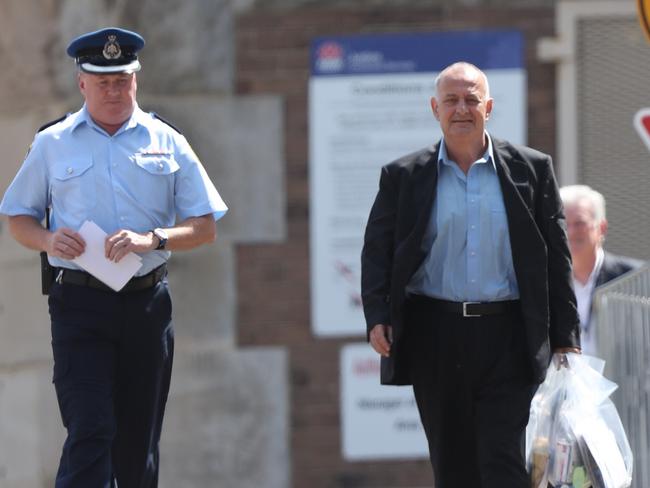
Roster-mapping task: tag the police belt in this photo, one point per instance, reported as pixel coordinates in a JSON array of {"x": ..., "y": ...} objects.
[
  {"x": 137, "y": 283},
  {"x": 468, "y": 309}
]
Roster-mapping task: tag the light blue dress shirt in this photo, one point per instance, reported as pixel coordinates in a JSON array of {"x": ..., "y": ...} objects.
[
  {"x": 144, "y": 176},
  {"x": 470, "y": 258}
]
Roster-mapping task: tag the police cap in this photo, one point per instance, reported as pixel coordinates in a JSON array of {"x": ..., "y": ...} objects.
[{"x": 110, "y": 50}]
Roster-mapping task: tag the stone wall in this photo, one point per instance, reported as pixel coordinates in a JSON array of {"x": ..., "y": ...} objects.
[{"x": 227, "y": 421}]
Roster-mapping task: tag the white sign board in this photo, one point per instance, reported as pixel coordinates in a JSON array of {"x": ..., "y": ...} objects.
[{"x": 378, "y": 422}]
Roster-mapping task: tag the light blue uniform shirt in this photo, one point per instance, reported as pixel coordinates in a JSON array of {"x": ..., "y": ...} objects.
[
  {"x": 470, "y": 258},
  {"x": 144, "y": 176}
]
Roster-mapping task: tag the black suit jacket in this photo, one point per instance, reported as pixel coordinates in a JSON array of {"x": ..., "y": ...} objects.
[
  {"x": 393, "y": 250},
  {"x": 614, "y": 266}
]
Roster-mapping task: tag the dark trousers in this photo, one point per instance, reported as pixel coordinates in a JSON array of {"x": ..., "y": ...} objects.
[
  {"x": 473, "y": 389},
  {"x": 112, "y": 366}
]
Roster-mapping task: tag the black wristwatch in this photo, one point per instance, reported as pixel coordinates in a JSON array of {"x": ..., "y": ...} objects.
[{"x": 162, "y": 236}]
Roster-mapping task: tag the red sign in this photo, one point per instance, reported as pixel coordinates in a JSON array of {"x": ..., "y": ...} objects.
[{"x": 642, "y": 125}]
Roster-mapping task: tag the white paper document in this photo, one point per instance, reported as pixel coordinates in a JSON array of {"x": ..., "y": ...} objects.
[{"x": 93, "y": 260}]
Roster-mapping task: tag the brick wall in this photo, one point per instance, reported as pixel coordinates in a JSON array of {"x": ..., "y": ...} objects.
[{"x": 272, "y": 56}]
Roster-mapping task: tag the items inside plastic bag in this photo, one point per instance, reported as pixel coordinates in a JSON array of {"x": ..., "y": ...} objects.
[{"x": 574, "y": 438}]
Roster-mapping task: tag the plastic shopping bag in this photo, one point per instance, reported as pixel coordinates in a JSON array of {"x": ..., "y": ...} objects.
[{"x": 574, "y": 437}]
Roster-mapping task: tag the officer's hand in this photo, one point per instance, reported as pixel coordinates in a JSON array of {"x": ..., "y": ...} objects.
[
  {"x": 65, "y": 243},
  {"x": 381, "y": 338},
  {"x": 122, "y": 242}
]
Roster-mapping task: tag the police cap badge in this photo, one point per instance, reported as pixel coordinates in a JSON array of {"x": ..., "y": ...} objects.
[{"x": 110, "y": 50}]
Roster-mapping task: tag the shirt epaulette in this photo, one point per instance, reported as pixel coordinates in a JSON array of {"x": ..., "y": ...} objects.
[
  {"x": 166, "y": 122},
  {"x": 51, "y": 123}
]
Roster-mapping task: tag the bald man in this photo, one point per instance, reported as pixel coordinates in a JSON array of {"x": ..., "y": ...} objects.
[{"x": 466, "y": 285}]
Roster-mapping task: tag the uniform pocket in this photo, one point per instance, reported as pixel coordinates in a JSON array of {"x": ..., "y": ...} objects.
[
  {"x": 67, "y": 170},
  {"x": 154, "y": 176},
  {"x": 162, "y": 165},
  {"x": 73, "y": 187}
]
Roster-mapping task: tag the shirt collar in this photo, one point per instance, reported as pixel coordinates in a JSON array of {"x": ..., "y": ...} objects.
[
  {"x": 488, "y": 155},
  {"x": 600, "y": 257},
  {"x": 83, "y": 117}
]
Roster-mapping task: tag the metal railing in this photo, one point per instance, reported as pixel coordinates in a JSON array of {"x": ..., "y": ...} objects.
[{"x": 621, "y": 321}]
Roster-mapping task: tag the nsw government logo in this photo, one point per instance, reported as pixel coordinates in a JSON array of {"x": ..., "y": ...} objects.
[{"x": 329, "y": 57}]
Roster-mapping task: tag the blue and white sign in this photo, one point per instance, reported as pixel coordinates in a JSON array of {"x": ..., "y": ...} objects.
[
  {"x": 415, "y": 53},
  {"x": 369, "y": 103}
]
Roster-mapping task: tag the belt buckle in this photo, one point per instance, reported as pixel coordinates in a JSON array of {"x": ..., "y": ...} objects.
[{"x": 465, "y": 314}]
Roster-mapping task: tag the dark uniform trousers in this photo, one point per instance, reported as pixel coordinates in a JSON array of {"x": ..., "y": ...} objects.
[
  {"x": 473, "y": 388},
  {"x": 113, "y": 356}
]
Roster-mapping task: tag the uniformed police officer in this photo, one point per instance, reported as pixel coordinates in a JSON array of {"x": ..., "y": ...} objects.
[{"x": 138, "y": 179}]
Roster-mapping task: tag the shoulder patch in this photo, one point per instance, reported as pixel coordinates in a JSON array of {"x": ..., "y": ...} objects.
[
  {"x": 166, "y": 122},
  {"x": 49, "y": 124}
]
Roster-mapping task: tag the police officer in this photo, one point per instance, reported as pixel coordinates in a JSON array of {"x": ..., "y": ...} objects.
[{"x": 138, "y": 179}]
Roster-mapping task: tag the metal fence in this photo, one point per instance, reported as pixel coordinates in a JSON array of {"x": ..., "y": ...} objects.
[{"x": 622, "y": 326}]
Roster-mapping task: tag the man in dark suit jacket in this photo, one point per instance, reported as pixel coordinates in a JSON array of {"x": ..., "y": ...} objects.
[
  {"x": 592, "y": 265},
  {"x": 466, "y": 286}
]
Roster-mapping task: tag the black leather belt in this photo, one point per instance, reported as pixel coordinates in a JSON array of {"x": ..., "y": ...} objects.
[
  {"x": 469, "y": 309},
  {"x": 137, "y": 283}
]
